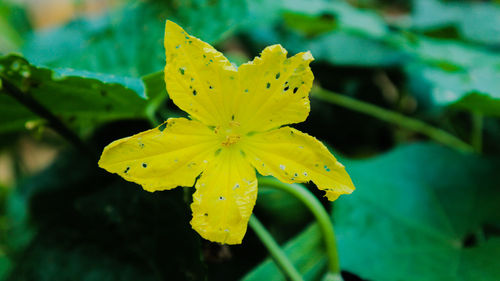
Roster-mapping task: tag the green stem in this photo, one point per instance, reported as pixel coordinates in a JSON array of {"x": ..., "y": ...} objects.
[
  {"x": 392, "y": 117},
  {"x": 477, "y": 132},
  {"x": 274, "y": 249},
  {"x": 325, "y": 224}
]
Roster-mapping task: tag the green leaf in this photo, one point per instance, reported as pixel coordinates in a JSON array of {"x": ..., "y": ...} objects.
[
  {"x": 446, "y": 72},
  {"x": 82, "y": 103},
  {"x": 421, "y": 212},
  {"x": 474, "y": 89},
  {"x": 475, "y": 21}
]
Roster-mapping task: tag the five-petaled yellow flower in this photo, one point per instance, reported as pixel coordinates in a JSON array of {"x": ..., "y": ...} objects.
[{"x": 236, "y": 123}]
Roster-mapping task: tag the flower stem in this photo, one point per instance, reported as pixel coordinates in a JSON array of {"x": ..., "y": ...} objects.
[
  {"x": 325, "y": 224},
  {"x": 392, "y": 117},
  {"x": 274, "y": 249}
]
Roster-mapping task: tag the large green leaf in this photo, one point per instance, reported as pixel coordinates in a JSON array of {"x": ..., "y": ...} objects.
[
  {"x": 82, "y": 103},
  {"x": 421, "y": 212}
]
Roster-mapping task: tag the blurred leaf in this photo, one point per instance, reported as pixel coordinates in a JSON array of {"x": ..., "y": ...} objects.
[
  {"x": 357, "y": 37},
  {"x": 348, "y": 18},
  {"x": 129, "y": 41},
  {"x": 479, "y": 22},
  {"x": 447, "y": 72},
  {"x": 473, "y": 89},
  {"x": 309, "y": 25},
  {"x": 82, "y": 103},
  {"x": 421, "y": 212}
]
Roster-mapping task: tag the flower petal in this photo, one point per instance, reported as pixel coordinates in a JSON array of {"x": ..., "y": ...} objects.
[
  {"x": 274, "y": 89},
  {"x": 224, "y": 198},
  {"x": 293, "y": 156},
  {"x": 173, "y": 154},
  {"x": 198, "y": 78}
]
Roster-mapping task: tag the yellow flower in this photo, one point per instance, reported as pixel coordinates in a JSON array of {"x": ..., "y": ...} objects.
[{"x": 236, "y": 127}]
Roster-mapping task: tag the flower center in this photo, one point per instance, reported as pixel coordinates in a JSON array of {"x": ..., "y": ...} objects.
[
  {"x": 231, "y": 139},
  {"x": 230, "y": 134}
]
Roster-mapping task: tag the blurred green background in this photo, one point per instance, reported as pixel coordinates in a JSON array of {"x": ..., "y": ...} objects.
[{"x": 407, "y": 94}]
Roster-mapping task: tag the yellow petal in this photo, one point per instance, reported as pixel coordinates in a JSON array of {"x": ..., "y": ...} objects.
[
  {"x": 275, "y": 90},
  {"x": 224, "y": 198},
  {"x": 173, "y": 154},
  {"x": 293, "y": 156},
  {"x": 198, "y": 78}
]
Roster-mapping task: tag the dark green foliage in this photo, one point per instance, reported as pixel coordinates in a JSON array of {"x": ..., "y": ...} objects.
[{"x": 91, "y": 225}]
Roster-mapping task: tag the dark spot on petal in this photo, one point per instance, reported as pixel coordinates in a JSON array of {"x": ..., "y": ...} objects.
[
  {"x": 126, "y": 170},
  {"x": 194, "y": 92},
  {"x": 232, "y": 117},
  {"x": 178, "y": 46},
  {"x": 286, "y": 88},
  {"x": 144, "y": 165},
  {"x": 246, "y": 90},
  {"x": 190, "y": 41},
  {"x": 210, "y": 87},
  {"x": 181, "y": 70},
  {"x": 206, "y": 214},
  {"x": 162, "y": 127},
  {"x": 278, "y": 75},
  {"x": 268, "y": 85},
  {"x": 295, "y": 90},
  {"x": 217, "y": 151}
]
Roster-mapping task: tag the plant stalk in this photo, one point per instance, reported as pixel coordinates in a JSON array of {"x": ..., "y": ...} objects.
[
  {"x": 392, "y": 117},
  {"x": 274, "y": 249},
  {"x": 322, "y": 217}
]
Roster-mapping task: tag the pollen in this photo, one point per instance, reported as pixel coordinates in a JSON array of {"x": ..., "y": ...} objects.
[{"x": 231, "y": 139}]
